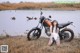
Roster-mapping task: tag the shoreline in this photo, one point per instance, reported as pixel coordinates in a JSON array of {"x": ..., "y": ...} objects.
[
  {"x": 57, "y": 9},
  {"x": 34, "y": 6}
]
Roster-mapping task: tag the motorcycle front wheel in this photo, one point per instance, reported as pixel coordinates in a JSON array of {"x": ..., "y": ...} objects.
[
  {"x": 34, "y": 34},
  {"x": 67, "y": 34}
]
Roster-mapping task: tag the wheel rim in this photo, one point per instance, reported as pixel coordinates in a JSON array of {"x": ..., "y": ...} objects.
[
  {"x": 66, "y": 35},
  {"x": 34, "y": 34}
]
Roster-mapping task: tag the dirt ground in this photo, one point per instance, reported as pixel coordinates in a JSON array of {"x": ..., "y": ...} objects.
[{"x": 22, "y": 45}]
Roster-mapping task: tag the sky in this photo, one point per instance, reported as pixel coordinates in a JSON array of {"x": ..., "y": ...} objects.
[{"x": 13, "y": 1}]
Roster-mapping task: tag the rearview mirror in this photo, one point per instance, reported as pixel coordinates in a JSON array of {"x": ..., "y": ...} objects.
[{"x": 49, "y": 16}]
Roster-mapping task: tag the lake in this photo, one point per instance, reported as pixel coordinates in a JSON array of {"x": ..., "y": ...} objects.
[{"x": 20, "y": 24}]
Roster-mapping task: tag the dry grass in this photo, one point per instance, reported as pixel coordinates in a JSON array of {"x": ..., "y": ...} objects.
[
  {"x": 28, "y": 5},
  {"x": 22, "y": 45}
]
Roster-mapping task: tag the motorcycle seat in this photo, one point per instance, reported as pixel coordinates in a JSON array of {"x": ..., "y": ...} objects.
[{"x": 62, "y": 25}]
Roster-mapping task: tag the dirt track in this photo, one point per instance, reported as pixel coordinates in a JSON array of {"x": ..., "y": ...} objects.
[{"x": 21, "y": 45}]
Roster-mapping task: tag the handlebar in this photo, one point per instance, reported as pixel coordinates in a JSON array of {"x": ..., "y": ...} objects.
[{"x": 70, "y": 22}]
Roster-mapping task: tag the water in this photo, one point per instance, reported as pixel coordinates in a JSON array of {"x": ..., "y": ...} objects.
[{"x": 20, "y": 24}]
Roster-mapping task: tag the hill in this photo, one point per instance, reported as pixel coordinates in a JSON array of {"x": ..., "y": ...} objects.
[{"x": 30, "y": 5}]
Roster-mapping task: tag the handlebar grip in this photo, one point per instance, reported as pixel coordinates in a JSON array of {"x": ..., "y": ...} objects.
[{"x": 71, "y": 22}]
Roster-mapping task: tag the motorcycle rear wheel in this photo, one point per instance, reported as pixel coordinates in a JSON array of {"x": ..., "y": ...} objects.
[{"x": 67, "y": 34}]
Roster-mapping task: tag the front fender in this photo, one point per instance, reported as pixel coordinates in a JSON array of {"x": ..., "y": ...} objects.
[{"x": 36, "y": 28}]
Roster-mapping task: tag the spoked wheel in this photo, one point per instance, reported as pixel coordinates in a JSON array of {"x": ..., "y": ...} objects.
[
  {"x": 34, "y": 34},
  {"x": 67, "y": 34}
]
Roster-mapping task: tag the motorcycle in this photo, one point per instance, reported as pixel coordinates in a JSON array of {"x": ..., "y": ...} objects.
[{"x": 65, "y": 33}]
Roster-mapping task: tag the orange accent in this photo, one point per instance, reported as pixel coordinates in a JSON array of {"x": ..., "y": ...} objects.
[{"x": 48, "y": 22}]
